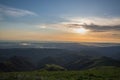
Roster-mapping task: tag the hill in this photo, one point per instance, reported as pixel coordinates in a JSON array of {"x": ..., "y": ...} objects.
[{"x": 26, "y": 59}]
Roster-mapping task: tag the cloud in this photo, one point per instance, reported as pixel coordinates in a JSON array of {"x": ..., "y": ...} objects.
[
  {"x": 94, "y": 23},
  {"x": 94, "y": 27},
  {"x": 57, "y": 26},
  {"x": 67, "y": 26},
  {"x": 95, "y": 20},
  {"x": 14, "y": 12},
  {"x": 110, "y": 29},
  {"x": 42, "y": 26},
  {"x": 99, "y": 28}
]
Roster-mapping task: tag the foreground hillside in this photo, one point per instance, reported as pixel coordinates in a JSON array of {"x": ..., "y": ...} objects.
[{"x": 101, "y": 73}]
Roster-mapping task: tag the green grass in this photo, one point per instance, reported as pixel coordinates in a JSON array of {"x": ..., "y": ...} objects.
[{"x": 103, "y": 73}]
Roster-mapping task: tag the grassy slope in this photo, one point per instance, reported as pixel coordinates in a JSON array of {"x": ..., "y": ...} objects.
[{"x": 102, "y": 73}]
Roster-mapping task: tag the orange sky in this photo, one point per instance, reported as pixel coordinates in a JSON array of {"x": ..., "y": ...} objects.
[{"x": 57, "y": 36}]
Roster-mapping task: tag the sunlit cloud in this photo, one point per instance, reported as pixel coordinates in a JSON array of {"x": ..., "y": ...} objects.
[
  {"x": 101, "y": 30},
  {"x": 41, "y": 26},
  {"x": 92, "y": 24},
  {"x": 57, "y": 26},
  {"x": 81, "y": 30},
  {"x": 95, "y": 20},
  {"x": 14, "y": 12}
]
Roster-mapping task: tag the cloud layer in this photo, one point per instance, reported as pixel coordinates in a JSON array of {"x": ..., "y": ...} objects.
[
  {"x": 93, "y": 24},
  {"x": 111, "y": 21},
  {"x": 14, "y": 12}
]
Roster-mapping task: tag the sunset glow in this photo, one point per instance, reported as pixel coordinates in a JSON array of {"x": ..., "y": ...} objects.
[
  {"x": 60, "y": 20},
  {"x": 81, "y": 30}
]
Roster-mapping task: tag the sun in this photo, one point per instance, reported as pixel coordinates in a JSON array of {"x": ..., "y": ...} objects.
[{"x": 81, "y": 30}]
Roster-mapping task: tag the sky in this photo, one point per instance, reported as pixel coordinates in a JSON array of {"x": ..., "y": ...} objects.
[{"x": 60, "y": 20}]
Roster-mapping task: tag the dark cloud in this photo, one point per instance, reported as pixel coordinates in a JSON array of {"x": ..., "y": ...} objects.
[
  {"x": 96, "y": 28},
  {"x": 100, "y": 28},
  {"x": 72, "y": 25}
]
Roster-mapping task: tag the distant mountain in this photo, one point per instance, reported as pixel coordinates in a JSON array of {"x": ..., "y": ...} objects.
[
  {"x": 49, "y": 60},
  {"x": 111, "y": 51},
  {"x": 95, "y": 49},
  {"x": 35, "y": 54},
  {"x": 62, "y": 60},
  {"x": 72, "y": 56},
  {"x": 91, "y": 63},
  {"x": 17, "y": 63}
]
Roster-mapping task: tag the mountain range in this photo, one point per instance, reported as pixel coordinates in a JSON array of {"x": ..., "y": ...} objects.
[{"x": 71, "y": 56}]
